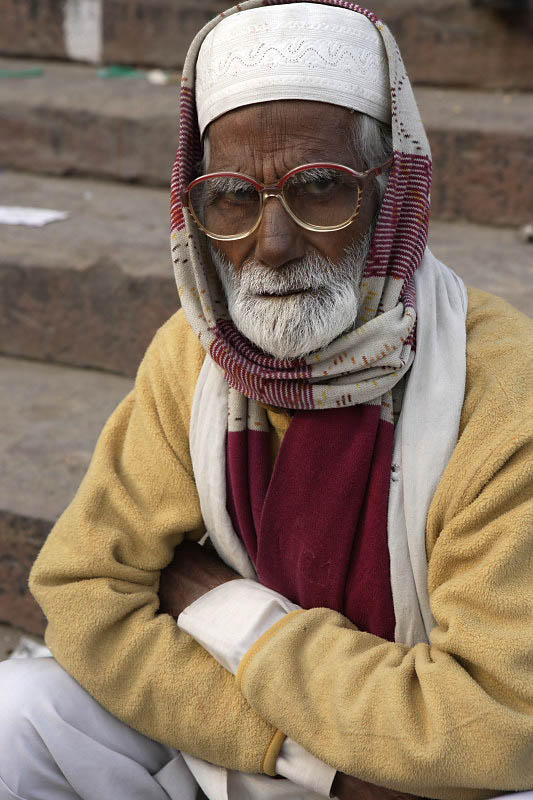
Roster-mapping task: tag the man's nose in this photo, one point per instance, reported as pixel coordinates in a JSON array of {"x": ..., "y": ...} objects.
[{"x": 278, "y": 238}]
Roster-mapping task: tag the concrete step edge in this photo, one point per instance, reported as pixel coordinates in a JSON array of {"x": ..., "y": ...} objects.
[{"x": 90, "y": 290}]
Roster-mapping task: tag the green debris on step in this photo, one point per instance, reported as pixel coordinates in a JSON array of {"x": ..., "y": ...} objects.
[
  {"x": 31, "y": 72},
  {"x": 121, "y": 71}
]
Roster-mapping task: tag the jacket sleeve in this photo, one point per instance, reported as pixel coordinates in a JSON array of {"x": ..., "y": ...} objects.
[
  {"x": 452, "y": 719},
  {"x": 97, "y": 578}
]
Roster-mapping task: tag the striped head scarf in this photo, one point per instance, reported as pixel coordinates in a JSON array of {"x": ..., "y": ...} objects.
[{"x": 363, "y": 365}]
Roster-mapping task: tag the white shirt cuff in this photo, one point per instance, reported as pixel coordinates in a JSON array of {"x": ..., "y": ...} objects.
[
  {"x": 304, "y": 769},
  {"x": 226, "y": 622},
  {"x": 230, "y": 618}
]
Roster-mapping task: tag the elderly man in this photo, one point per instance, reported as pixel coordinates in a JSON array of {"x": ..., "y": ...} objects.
[{"x": 352, "y": 430}]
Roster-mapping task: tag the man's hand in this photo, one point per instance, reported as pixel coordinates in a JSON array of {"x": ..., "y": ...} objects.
[
  {"x": 194, "y": 571},
  {"x": 345, "y": 787}
]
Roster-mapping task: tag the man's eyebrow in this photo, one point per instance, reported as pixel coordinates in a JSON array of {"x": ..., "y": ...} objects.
[
  {"x": 227, "y": 183},
  {"x": 304, "y": 157}
]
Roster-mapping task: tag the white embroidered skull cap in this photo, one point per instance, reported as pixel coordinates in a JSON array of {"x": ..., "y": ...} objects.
[{"x": 298, "y": 51}]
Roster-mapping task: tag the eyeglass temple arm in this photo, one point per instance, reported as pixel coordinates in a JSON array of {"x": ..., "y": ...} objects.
[{"x": 380, "y": 168}]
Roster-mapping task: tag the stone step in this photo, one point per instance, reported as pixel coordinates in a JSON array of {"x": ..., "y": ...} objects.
[
  {"x": 50, "y": 417},
  {"x": 482, "y": 149},
  {"x": 497, "y": 260},
  {"x": 71, "y": 122},
  {"x": 444, "y": 42},
  {"x": 92, "y": 290},
  {"x": 451, "y": 43}
]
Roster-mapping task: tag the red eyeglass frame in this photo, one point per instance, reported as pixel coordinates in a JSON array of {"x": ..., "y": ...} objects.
[{"x": 276, "y": 190}]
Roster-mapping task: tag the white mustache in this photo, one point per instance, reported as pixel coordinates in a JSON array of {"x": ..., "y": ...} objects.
[{"x": 308, "y": 273}]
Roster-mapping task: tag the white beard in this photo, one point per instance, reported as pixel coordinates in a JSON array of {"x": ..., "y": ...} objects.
[{"x": 294, "y": 326}]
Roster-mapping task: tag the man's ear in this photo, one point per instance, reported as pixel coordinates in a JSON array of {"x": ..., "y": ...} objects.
[{"x": 206, "y": 153}]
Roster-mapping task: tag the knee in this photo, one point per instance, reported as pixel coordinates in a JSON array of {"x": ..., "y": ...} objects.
[
  {"x": 25, "y": 684},
  {"x": 27, "y": 691},
  {"x": 14, "y": 691}
]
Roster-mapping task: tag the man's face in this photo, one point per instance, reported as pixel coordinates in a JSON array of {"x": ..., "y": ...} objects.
[{"x": 289, "y": 290}]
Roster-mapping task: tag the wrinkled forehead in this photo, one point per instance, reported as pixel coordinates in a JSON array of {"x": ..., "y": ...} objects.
[
  {"x": 298, "y": 51},
  {"x": 276, "y": 136}
]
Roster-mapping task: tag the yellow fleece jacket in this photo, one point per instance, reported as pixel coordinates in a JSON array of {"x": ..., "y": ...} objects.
[{"x": 452, "y": 719}]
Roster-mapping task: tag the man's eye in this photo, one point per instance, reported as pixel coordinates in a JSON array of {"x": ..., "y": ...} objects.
[
  {"x": 229, "y": 196},
  {"x": 313, "y": 184},
  {"x": 238, "y": 196},
  {"x": 320, "y": 186}
]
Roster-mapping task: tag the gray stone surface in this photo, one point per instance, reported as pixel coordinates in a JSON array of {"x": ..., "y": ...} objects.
[
  {"x": 32, "y": 28},
  {"x": 482, "y": 148},
  {"x": 50, "y": 418},
  {"x": 493, "y": 259},
  {"x": 450, "y": 43},
  {"x": 157, "y": 32},
  {"x": 21, "y": 538},
  {"x": 70, "y": 122},
  {"x": 442, "y": 41},
  {"x": 10, "y": 637},
  {"x": 90, "y": 290}
]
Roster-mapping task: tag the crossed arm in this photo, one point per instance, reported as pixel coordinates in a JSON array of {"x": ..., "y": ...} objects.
[{"x": 193, "y": 572}]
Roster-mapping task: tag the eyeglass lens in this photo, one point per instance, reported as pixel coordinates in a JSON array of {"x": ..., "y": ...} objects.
[{"x": 320, "y": 196}]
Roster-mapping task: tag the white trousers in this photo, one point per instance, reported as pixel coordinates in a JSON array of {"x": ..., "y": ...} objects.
[{"x": 58, "y": 743}]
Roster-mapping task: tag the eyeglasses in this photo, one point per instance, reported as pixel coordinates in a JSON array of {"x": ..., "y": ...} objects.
[{"x": 318, "y": 197}]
